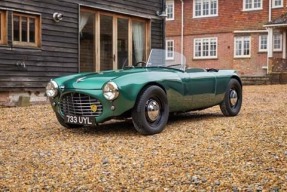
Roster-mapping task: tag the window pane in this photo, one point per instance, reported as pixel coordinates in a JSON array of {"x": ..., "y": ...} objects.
[
  {"x": 242, "y": 46},
  {"x": 263, "y": 42},
  {"x": 139, "y": 39},
  {"x": 213, "y": 10},
  {"x": 213, "y": 48},
  {"x": 246, "y": 47},
  {"x": 248, "y": 4},
  {"x": 25, "y": 29},
  {"x": 205, "y": 7},
  {"x": 24, "y": 32},
  {"x": 205, "y": 48},
  {"x": 257, "y": 3},
  {"x": 197, "y": 8},
  {"x": 123, "y": 45},
  {"x": 170, "y": 49},
  {"x": 277, "y": 42},
  {"x": 32, "y": 28},
  {"x": 87, "y": 42},
  {"x": 16, "y": 32},
  {"x": 106, "y": 42},
  {"x": 277, "y": 3},
  {"x": 169, "y": 10},
  {"x": 238, "y": 47},
  {"x": 197, "y": 48}
]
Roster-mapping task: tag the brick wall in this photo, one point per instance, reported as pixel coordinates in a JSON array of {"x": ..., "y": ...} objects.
[
  {"x": 231, "y": 18},
  {"x": 225, "y": 58}
]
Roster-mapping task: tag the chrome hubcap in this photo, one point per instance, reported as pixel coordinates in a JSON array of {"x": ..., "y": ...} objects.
[
  {"x": 153, "y": 110},
  {"x": 233, "y": 97}
]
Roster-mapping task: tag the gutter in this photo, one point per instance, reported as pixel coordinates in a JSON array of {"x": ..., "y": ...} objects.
[{"x": 250, "y": 31}]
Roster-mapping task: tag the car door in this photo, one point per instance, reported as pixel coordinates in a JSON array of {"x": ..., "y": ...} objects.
[{"x": 201, "y": 87}]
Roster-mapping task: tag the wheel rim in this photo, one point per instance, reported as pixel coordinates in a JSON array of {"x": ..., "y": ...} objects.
[
  {"x": 233, "y": 97},
  {"x": 152, "y": 110}
]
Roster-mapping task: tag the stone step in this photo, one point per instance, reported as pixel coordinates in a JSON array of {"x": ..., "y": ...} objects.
[{"x": 255, "y": 80}]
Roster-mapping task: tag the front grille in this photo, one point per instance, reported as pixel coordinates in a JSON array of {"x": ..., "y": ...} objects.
[{"x": 80, "y": 104}]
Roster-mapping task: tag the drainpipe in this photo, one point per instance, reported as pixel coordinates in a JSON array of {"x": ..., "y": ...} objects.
[
  {"x": 270, "y": 37},
  {"x": 182, "y": 26},
  {"x": 163, "y": 25},
  {"x": 270, "y": 10}
]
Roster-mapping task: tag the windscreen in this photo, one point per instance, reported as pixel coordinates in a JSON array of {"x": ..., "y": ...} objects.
[{"x": 163, "y": 58}]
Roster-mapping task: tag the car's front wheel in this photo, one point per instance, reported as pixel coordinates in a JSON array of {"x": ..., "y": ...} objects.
[
  {"x": 151, "y": 111},
  {"x": 231, "y": 104}
]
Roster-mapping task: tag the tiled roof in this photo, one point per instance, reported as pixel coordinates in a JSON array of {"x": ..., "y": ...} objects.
[{"x": 278, "y": 21}]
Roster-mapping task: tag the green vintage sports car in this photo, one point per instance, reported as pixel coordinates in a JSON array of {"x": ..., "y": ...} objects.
[{"x": 147, "y": 92}]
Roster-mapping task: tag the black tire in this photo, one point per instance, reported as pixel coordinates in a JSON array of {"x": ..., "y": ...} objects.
[
  {"x": 69, "y": 126},
  {"x": 232, "y": 102},
  {"x": 150, "y": 113}
]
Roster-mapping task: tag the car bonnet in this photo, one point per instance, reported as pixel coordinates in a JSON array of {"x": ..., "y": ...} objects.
[{"x": 93, "y": 81}]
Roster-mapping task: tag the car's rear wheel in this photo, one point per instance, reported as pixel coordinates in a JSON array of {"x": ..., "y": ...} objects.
[
  {"x": 69, "y": 126},
  {"x": 232, "y": 102},
  {"x": 151, "y": 111}
]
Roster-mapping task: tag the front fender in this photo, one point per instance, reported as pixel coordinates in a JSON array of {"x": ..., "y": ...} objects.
[{"x": 131, "y": 88}]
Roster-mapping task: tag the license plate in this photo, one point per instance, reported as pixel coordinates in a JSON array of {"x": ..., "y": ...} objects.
[{"x": 80, "y": 120}]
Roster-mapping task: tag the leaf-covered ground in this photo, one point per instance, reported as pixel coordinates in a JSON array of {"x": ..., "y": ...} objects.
[{"x": 198, "y": 151}]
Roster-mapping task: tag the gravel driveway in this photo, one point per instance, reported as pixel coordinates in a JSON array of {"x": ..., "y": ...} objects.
[{"x": 198, "y": 151}]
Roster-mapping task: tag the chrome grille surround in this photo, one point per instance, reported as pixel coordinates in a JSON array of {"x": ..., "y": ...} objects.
[{"x": 80, "y": 105}]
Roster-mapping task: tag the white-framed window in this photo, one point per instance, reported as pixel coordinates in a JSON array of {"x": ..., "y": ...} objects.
[
  {"x": 277, "y": 3},
  {"x": 263, "y": 39},
  {"x": 205, "y": 48},
  {"x": 169, "y": 49},
  {"x": 277, "y": 42},
  {"x": 205, "y": 8},
  {"x": 249, "y": 5},
  {"x": 242, "y": 46},
  {"x": 170, "y": 10}
]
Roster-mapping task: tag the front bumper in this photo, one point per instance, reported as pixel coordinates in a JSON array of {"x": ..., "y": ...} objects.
[{"x": 105, "y": 109}]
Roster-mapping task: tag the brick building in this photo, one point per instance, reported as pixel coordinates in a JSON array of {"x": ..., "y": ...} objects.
[{"x": 246, "y": 35}]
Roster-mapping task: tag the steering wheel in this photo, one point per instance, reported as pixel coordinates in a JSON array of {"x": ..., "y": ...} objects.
[{"x": 140, "y": 62}]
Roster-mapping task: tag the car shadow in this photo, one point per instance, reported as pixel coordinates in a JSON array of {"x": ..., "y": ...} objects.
[
  {"x": 193, "y": 116},
  {"x": 126, "y": 127}
]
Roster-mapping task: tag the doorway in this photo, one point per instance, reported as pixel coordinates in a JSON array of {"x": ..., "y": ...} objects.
[{"x": 110, "y": 41}]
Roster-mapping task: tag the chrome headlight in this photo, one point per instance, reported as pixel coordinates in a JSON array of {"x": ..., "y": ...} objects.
[
  {"x": 52, "y": 89},
  {"x": 111, "y": 91}
]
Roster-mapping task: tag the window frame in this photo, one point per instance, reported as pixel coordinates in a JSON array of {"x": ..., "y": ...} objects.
[
  {"x": 280, "y": 42},
  {"x": 277, "y": 6},
  {"x": 265, "y": 43},
  {"x": 97, "y": 14},
  {"x": 252, "y": 4},
  {"x": 242, "y": 40},
  {"x": 38, "y": 30},
  {"x": 167, "y": 57},
  {"x": 170, "y": 3},
  {"x": 3, "y": 27},
  {"x": 201, "y": 41},
  {"x": 274, "y": 49},
  {"x": 202, "y": 9}
]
